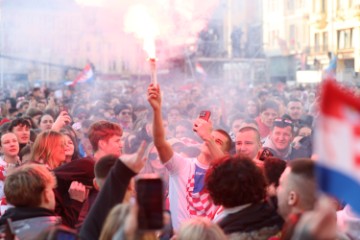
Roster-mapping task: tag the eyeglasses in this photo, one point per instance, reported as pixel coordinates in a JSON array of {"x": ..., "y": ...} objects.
[
  {"x": 126, "y": 113},
  {"x": 283, "y": 122}
]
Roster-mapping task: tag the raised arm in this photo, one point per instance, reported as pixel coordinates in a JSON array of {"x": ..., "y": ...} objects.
[
  {"x": 204, "y": 129},
  {"x": 163, "y": 147},
  {"x": 112, "y": 192}
]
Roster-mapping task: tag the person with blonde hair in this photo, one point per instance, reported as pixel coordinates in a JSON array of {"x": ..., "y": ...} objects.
[
  {"x": 114, "y": 221},
  {"x": 49, "y": 149},
  {"x": 9, "y": 149},
  {"x": 200, "y": 228}
]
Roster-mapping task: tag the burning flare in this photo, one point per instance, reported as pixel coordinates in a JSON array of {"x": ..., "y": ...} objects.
[{"x": 140, "y": 22}]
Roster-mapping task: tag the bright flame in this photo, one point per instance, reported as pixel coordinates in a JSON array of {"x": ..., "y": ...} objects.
[{"x": 140, "y": 22}]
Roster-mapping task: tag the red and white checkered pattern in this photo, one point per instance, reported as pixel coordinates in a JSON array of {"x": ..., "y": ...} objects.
[{"x": 199, "y": 204}]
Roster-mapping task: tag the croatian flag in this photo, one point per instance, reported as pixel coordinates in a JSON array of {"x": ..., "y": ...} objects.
[
  {"x": 87, "y": 75},
  {"x": 337, "y": 144},
  {"x": 200, "y": 71}
]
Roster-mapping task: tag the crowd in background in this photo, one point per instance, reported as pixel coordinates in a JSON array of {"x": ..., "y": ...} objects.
[{"x": 259, "y": 130}]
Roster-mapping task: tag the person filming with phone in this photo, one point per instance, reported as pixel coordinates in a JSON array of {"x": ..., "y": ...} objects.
[{"x": 186, "y": 184}]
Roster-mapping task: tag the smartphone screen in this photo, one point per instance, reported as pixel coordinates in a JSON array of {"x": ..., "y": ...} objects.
[
  {"x": 150, "y": 201},
  {"x": 265, "y": 154},
  {"x": 205, "y": 115}
]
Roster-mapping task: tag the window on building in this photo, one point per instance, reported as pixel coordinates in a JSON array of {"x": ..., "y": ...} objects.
[
  {"x": 273, "y": 5},
  {"x": 292, "y": 36},
  {"x": 291, "y": 5},
  {"x": 339, "y": 4},
  {"x": 317, "y": 42},
  {"x": 325, "y": 41},
  {"x": 345, "y": 39},
  {"x": 344, "y": 4},
  {"x": 299, "y": 4},
  {"x": 323, "y": 6},
  {"x": 320, "y": 6}
]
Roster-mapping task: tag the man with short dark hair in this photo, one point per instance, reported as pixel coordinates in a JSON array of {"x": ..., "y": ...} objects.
[
  {"x": 269, "y": 110},
  {"x": 296, "y": 193},
  {"x": 239, "y": 186},
  {"x": 102, "y": 168},
  {"x": 21, "y": 128},
  {"x": 187, "y": 195},
  {"x": 124, "y": 115},
  {"x": 280, "y": 138},
  {"x": 294, "y": 109},
  {"x": 295, "y": 112},
  {"x": 248, "y": 142}
]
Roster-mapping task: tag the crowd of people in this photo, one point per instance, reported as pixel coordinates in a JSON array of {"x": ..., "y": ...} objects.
[{"x": 69, "y": 159}]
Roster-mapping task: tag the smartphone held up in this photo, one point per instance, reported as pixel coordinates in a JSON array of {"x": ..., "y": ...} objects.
[
  {"x": 149, "y": 190},
  {"x": 205, "y": 115}
]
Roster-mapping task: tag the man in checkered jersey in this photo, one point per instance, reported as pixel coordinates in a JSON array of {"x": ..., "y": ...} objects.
[{"x": 187, "y": 195}]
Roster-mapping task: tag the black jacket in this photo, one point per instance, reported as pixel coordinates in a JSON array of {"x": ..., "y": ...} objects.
[
  {"x": 20, "y": 213},
  {"x": 252, "y": 218},
  {"x": 112, "y": 193},
  {"x": 81, "y": 170},
  {"x": 28, "y": 223}
]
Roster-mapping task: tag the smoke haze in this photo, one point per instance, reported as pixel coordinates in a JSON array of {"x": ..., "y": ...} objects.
[{"x": 73, "y": 32}]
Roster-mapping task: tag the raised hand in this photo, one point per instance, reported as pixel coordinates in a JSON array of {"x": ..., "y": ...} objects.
[
  {"x": 154, "y": 96},
  {"x": 202, "y": 128},
  {"x": 62, "y": 120},
  {"x": 135, "y": 161}
]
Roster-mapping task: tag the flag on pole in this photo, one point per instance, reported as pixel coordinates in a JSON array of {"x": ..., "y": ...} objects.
[
  {"x": 337, "y": 144},
  {"x": 86, "y": 75},
  {"x": 200, "y": 71}
]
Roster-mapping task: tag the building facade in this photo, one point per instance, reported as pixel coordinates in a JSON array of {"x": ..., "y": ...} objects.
[
  {"x": 335, "y": 30},
  {"x": 237, "y": 55},
  {"x": 306, "y": 35},
  {"x": 286, "y": 37}
]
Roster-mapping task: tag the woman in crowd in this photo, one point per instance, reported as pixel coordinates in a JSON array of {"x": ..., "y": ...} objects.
[
  {"x": 35, "y": 115},
  {"x": 200, "y": 228},
  {"x": 9, "y": 147},
  {"x": 49, "y": 149},
  {"x": 71, "y": 146},
  {"x": 121, "y": 223},
  {"x": 46, "y": 122}
]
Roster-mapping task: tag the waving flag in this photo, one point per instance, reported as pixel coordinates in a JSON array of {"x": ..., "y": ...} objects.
[
  {"x": 87, "y": 75},
  {"x": 337, "y": 143},
  {"x": 200, "y": 71}
]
